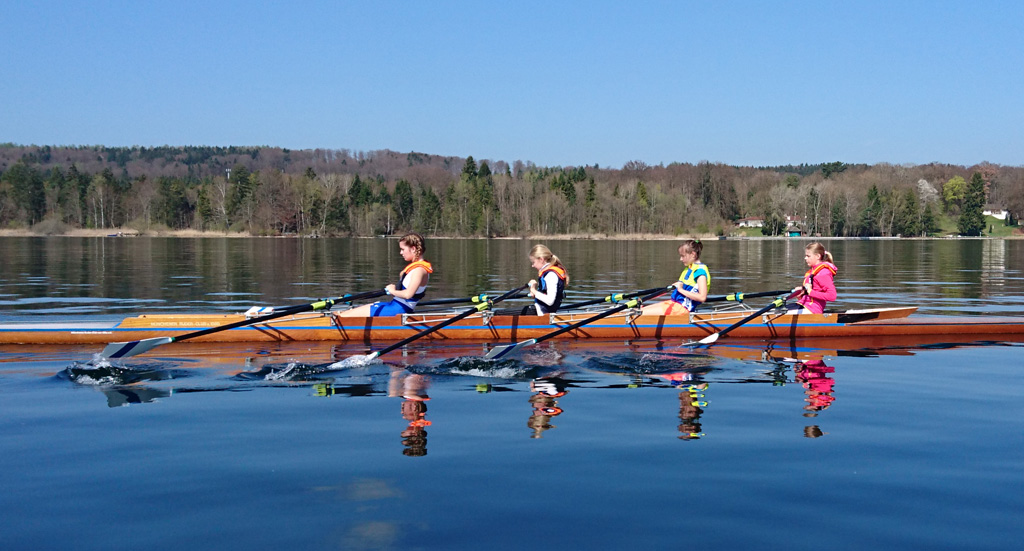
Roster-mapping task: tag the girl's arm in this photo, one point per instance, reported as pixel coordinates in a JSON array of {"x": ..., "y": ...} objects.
[
  {"x": 551, "y": 284},
  {"x": 702, "y": 289},
  {"x": 824, "y": 287},
  {"x": 416, "y": 279}
]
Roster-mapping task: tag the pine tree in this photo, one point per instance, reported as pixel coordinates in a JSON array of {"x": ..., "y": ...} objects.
[{"x": 972, "y": 222}]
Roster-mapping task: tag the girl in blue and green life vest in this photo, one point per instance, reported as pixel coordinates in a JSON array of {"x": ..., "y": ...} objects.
[
  {"x": 692, "y": 288},
  {"x": 549, "y": 291},
  {"x": 412, "y": 283}
]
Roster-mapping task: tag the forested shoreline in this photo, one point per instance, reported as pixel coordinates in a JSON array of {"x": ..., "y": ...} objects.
[{"x": 276, "y": 191}]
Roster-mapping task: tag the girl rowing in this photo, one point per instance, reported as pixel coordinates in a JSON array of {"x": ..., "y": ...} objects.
[
  {"x": 550, "y": 290},
  {"x": 412, "y": 283},
  {"x": 692, "y": 288},
  {"x": 818, "y": 287}
]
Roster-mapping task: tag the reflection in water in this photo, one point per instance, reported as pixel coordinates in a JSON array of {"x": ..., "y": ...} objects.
[
  {"x": 122, "y": 396},
  {"x": 412, "y": 388},
  {"x": 818, "y": 388},
  {"x": 691, "y": 400},
  {"x": 546, "y": 391}
]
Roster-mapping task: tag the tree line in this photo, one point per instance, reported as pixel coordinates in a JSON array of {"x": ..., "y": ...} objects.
[{"x": 275, "y": 191}]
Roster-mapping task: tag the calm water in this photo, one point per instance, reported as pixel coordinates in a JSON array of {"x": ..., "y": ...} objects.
[{"x": 606, "y": 444}]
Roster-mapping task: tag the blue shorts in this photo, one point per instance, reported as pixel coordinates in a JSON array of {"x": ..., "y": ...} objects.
[{"x": 389, "y": 308}]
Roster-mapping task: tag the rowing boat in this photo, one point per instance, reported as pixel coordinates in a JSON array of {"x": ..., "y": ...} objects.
[{"x": 490, "y": 327}]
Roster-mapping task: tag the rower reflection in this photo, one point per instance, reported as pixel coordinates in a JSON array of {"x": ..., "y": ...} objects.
[
  {"x": 691, "y": 401},
  {"x": 818, "y": 389},
  {"x": 546, "y": 391},
  {"x": 412, "y": 388}
]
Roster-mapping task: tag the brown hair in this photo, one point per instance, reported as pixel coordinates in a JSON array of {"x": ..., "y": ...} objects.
[
  {"x": 693, "y": 245},
  {"x": 415, "y": 242},
  {"x": 545, "y": 254},
  {"x": 819, "y": 249}
]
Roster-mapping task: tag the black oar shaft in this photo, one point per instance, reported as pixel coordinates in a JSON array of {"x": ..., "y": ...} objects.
[
  {"x": 288, "y": 311},
  {"x": 460, "y": 300},
  {"x": 481, "y": 307},
  {"x": 777, "y": 303},
  {"x": 630, "y": 304}
]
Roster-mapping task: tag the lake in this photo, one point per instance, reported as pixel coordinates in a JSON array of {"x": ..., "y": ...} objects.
[{"x": 574, "y": 444}]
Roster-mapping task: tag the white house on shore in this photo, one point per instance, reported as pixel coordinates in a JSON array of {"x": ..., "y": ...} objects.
[{"x": 995, "y": 212}]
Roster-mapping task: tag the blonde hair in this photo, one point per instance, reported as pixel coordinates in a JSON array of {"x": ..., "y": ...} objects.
[
  {"x": 545, "y": 254},
  {"x": 819, "y": 249}
]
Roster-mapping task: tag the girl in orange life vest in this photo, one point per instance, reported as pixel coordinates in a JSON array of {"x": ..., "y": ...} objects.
[
  {"x": 412, "y": 283},
  {"x": 692, "y": 288},
  {"x": 818, "y": 287},
  {"x": 549, "y": 292}
]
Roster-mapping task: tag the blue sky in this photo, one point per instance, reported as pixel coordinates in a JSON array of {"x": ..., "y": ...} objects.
[{"x": 556, "y": 83}]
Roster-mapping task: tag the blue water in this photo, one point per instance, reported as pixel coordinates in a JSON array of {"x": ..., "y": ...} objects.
[
  {"x": 592, "y": 444},
  {"x": 572, "y": 445}
]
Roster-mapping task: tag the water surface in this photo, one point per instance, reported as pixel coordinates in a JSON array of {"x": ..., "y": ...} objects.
[{"x": 601, "y": 444}]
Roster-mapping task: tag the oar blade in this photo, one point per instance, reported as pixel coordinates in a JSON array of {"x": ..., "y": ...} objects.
[
  {"x": 710, "y": 339},
  {"x": 499, "y": 352},
  {"x": 117, "y": 350}
]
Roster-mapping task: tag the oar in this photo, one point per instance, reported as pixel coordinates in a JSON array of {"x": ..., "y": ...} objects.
[
  {"x": 459, "y": 300},
  {"x": 778, "y": 302},
  {"x": 125, "y": 349},
  {"x": 616, "y": 298},
  {"x": 469, "y": 311},
  {"x": 740, "y": 297},
  {"x": 504, "y": 350}
]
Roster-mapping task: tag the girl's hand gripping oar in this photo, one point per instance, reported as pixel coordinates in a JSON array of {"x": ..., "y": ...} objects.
[
  {"x": 468, "y": 312},
  {"x": 777, "y": 303},
  {"x": 504, "y": 350},
  {"x": 125, "y": 349}
]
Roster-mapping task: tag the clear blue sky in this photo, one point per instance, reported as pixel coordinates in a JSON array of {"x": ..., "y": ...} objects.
[{"x": 556, "y": 83}]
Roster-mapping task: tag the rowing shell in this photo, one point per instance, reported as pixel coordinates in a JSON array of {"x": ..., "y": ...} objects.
[{"x": 629, "y": 324}]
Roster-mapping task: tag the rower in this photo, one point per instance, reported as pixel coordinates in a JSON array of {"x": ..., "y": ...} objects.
[
  {"x": 818, "y": 287},
  {"x": 412, "y": 283},
  {"x": 549, "y": 291},
  {"x": 692, "y": 288}
]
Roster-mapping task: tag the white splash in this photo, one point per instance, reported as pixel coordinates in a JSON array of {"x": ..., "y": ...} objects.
[
  {"x": 283, "y": 374},
  {"x": 354, "y": 361}
]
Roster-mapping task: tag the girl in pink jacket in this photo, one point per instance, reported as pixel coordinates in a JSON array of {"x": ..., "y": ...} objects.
[{"x": 818, "y": 287}]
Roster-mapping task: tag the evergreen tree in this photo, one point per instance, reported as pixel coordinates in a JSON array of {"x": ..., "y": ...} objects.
[
  {"x": 27, "y": 190},
  {"x": 972, "y": 221},
  {"x": 868, "y": 224},
  {"x": 908, "y": 219},
  {"x": 929, "y": 225},
  {"x": 469, "y": 169},
  {"x": 403, "y": 203}
]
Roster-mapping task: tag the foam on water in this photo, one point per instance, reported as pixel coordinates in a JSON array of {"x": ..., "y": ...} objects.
[{"x": 354, "y": 361}]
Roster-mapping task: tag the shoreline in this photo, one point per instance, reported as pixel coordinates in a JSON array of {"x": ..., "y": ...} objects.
[{"x": 194, "y": 234}]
